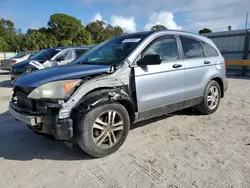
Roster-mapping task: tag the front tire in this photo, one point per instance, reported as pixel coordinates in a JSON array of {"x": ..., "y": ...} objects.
[
  {"x": 103, "y": 129},
  {"x": 211, "y": 99}
]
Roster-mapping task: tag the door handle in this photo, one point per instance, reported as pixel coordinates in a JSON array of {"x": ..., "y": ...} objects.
[
  {"x": 207, "y": 62},
  {"x": 177, "y": 66}
]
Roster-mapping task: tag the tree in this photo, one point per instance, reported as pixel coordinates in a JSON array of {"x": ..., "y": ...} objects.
[
  {"x": 97, "y": 29},
  {"x": 64, "y": 27},
  {"x": 113, "y": 31},
  {"x": 4, "y": 46},
  {"x": 205, "y": 30},
  {"x": 101, "y": 31},
  {"x": 83, "y": 38},
  {"x": 158, "y": 27},
  {"x": 37, "y": 41}
]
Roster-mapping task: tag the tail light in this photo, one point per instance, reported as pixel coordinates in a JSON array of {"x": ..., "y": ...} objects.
[{"x": 13, "y": 61}]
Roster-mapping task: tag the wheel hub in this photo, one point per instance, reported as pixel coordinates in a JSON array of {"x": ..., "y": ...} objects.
[{"x": 107, "y": 129}]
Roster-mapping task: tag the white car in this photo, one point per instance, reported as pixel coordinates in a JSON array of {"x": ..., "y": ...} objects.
[{"x": 6, "y": 64}]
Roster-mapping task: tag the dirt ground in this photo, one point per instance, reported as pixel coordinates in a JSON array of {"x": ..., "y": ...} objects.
[{"x": 182, "y": 150}]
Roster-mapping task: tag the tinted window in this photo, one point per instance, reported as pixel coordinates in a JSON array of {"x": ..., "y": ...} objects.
[
  {"x": 79, "y": 52},
  {"x": 112, "y": 51},
  {"x": 209, "y": 50},
  {"x": 166, "y": 48},
  {"x": 45, "y": 54},
  {"x": 192, "y": 48}
]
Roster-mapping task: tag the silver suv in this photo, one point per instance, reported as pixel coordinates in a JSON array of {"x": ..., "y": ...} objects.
[{"x": 118, "y": 82}]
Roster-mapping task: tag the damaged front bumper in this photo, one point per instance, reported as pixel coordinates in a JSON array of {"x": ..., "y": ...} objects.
[
  {"x": 47, "y": 124},
  {"x": 23, "y": 117}
]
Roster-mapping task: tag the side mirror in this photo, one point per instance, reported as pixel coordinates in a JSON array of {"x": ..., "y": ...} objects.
[{"x": 150, "y": 60}]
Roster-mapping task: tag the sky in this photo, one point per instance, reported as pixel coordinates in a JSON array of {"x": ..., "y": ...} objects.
[{"x": 132, "y": 15}]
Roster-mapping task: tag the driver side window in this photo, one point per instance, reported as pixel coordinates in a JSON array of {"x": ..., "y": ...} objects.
[{"x": 167, "y": 49}]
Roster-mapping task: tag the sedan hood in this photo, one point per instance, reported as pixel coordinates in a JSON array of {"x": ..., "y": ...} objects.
[{"x": 69, "y": 72}]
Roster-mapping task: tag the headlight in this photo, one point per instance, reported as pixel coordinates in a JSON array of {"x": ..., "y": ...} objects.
[{"x": 54, "y": 90}]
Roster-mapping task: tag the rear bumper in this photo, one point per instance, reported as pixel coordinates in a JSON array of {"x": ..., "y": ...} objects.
[{"x": 5, "y": 67}]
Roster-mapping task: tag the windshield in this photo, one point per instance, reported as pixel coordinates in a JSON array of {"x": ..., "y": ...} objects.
[
  {"x": 112, "y": 51},
  {"x": 45, "y": 54}
]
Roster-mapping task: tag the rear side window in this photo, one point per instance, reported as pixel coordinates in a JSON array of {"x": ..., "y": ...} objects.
[
  {"x": 80, "y": 52},
  {"x": 192, "y": 48},
  {"x": 209, "y": 50}
]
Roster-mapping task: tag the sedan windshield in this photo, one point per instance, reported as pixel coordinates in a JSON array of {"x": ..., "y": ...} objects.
[
  {"x": 45, "y": 54},
  {"x": 112, "y": 51}
]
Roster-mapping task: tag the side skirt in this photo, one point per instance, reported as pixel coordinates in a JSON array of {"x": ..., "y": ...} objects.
[{"x": 141, "y": 116}]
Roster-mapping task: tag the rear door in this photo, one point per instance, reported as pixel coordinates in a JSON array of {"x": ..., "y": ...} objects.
[
  {"x": 161, "y": 85},
  {"x": 196, "y": 69}
]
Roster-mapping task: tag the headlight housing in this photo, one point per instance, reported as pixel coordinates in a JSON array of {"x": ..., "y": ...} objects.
[{"x": 54, "y": 90}]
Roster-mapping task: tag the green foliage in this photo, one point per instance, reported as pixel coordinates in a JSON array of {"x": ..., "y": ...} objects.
[
  {"x": 61, "y": 30},
  {"x": 37, "y": 40},
  {"x": 101, "y": 31},
  {"x": 158, "y": 27},
  {"x": 83, "y": 38},
  {"x": 64, "y": 27},
  {"x": 4, "y": 47},
  {"x": 205, "y": 30}
]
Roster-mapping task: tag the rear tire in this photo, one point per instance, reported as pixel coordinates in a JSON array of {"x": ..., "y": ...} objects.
[
  {"x": 211, "y": 99},
  {"x": 103, "y": 129}
]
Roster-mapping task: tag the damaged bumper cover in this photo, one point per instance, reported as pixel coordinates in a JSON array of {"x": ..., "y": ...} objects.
[
  {"x": 24, "y": 117},
  {"x": 45, "y": 124}
]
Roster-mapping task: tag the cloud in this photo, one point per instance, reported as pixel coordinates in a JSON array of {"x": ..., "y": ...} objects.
[
  {"x": 126, "y": 23},
  {"x": 162, "y": 18},
  {"x": 96, "y": 17},
  {"x": 196, "y": 14}
]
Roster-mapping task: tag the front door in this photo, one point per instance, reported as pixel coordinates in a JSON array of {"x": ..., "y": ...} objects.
[{"x": 161, "y": 86}]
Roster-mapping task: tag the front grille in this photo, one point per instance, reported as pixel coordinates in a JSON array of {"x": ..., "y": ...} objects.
[{"x": 21, "y": 94}]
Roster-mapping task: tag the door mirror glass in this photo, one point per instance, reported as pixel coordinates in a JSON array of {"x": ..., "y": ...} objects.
[{"x": 150, "y": 60}]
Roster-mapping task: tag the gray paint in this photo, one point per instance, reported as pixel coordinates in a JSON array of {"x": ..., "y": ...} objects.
[
  {"x": 158, "y": 85},
  {"x": 118, "y": 78}
]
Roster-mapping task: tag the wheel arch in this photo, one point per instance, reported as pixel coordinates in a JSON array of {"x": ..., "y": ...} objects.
[
  {"x": 220, "y": 82},
  {"x": 103, "y": 95}
]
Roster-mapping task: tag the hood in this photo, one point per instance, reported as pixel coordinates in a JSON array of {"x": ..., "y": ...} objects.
[
  {"x": 69, "y": 72},
  {"x": 25, "y": 63}
]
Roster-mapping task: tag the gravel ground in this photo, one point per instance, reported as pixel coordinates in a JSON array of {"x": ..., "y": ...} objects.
[{"x": 180, "y": 150}]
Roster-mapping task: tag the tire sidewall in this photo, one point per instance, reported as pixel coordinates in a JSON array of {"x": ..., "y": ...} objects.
[
  {"x": 211, "y": 84},
  {"x": 85, "y": 126}
]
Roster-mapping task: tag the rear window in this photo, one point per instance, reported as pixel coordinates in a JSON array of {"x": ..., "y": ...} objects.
[
  {"x": 209, "y": 50},
  {"x": 79, "y": 52},
  {"x": 192, "y": 48},
  {"x": 19, "y": 56}
]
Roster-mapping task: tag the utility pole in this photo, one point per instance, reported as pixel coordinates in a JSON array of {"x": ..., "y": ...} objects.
[
  {"x": 246, "y": 46},
  {"x": 246, "y": 21}
]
